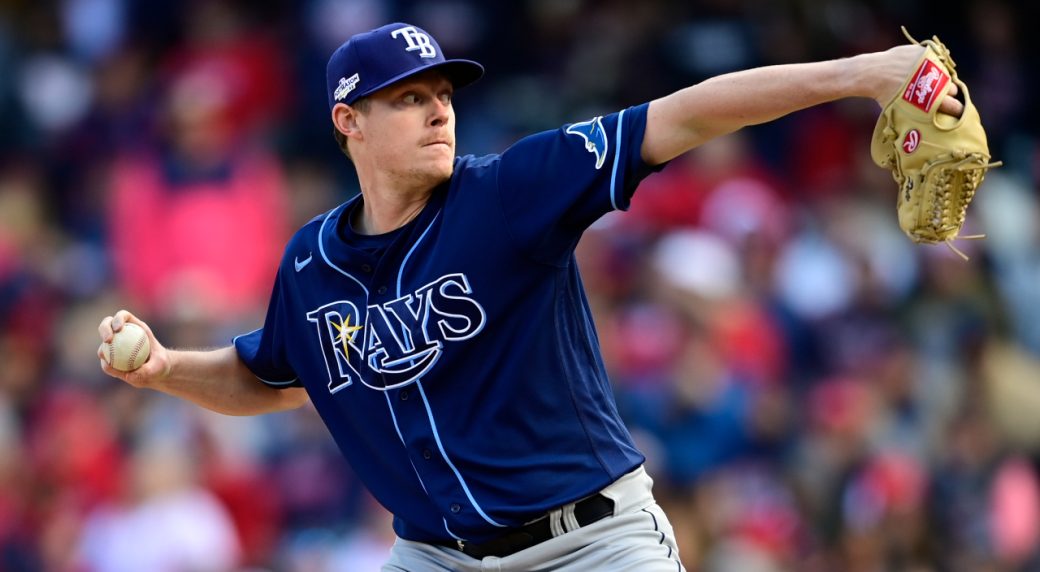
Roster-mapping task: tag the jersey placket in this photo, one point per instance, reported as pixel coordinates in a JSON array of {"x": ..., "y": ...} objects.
[{"x": 412, "y": 414}]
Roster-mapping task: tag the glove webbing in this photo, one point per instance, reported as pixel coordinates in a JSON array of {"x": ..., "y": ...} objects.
[{"x": 940, "y": 207}]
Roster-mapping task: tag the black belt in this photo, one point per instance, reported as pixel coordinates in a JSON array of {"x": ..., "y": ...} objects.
[{"x": 586, "y": 512}]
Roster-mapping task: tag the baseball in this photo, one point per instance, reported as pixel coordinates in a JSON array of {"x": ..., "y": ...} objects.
[{"x": 128, "y": 349}]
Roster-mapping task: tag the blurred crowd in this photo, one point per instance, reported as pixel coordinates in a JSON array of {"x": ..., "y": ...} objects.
[{"x": 812, "y": 391}]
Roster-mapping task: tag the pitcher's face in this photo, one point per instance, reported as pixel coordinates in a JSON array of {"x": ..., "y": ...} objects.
[{"x": 409, "y": 129}]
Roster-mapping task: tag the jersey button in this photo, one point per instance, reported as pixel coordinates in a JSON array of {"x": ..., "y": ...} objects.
[
  {"x": 404, "y": 395},
  {"x": 426, "y": 454},
  {"x": 382, "y": 290},
  {"x": 366, "y": 267},
  {"x": 455, "y": 508}
]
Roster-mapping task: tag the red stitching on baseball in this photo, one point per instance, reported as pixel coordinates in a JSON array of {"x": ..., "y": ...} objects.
[
  {"x": 134, "y": 352},
  {"x": 111, "y": 354}
]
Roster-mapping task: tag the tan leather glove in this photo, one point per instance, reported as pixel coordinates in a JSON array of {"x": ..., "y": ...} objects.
[{"x": 938, "y": 160}]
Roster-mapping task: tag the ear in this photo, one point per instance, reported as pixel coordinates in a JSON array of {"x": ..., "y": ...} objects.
[{"x": 345, "y": 119}]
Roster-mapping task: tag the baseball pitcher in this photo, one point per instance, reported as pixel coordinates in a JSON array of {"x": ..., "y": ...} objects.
[{"x": 438, "y": 322}]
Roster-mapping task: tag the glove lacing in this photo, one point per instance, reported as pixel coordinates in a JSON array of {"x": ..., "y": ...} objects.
[{"x": 972, "y": 173}]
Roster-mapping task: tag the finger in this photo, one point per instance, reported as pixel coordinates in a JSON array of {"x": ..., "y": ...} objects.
[
  {"x": 122, "y": 317},
  {"x": 105, "y": 329},
  {"x": 144, "y": 375},
  {"x": 147, "y": 329},
  {"x": 951, "y": 106},
  {"x": 954, "y": 88},
  {"x": 133, "y": 377},
  {"x": 109, "y": 370},
  {"x": 151, "y": 368}
]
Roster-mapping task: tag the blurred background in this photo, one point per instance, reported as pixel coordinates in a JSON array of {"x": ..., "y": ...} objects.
[{"x": 813, "y": 392}]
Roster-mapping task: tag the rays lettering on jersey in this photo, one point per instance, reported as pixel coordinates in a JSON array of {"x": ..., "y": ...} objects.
[{"x": 397, "y": 341}]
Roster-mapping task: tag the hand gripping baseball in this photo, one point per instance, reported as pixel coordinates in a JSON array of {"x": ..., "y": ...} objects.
[{"x": 128, "y": 366}]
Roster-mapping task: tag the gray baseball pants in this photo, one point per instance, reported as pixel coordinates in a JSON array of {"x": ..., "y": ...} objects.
[{"x": 637, "y": 538}]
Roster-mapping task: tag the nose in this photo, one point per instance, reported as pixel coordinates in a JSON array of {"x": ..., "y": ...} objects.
[{"x": 439, "y": 113}]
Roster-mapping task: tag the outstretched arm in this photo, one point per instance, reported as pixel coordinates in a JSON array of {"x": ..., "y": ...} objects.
[
  {"x": 689, "y": 117},
  {"x": 215, "y": 379}
]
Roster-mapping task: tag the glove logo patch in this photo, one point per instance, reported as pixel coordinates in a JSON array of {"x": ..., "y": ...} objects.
[
  {"x": 911, "y": 141},
  {"x": 926, "y": 85}
]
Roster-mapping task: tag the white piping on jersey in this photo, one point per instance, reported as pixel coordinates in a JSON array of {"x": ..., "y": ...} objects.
[
  {"x": 430, "y": 415},
  {"x": 234, "y": 340},
  {"x": 268, "y": 382},
  {"x": 617, "y": 157},
  {"x": 426, "y": 403},
  {"x": 458, "y": 475},
  {"x": 404, "y": 262},
  {"x": 245, "y": 334},
  {"x": 393, "y": 416},
  {"x": 321, "y": 249},
  {"x": 453, "y": 535},
  {"x": 401, "y": 437},
  {"x": 400, "y": 272}
]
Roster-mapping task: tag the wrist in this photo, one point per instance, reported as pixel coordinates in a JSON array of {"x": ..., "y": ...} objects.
[
  {"x": 165, "y": 366},
  {"x": 862, "y": 76}
]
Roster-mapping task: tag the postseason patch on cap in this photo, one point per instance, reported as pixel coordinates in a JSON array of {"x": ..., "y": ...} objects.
[{"x": 346, "y": 85}]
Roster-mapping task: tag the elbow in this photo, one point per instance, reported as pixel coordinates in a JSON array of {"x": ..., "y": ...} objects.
[
  {"x": 287, "y": 399},
  {"x": 294, "y": 397},
  {"x": 665, "y": 147}
]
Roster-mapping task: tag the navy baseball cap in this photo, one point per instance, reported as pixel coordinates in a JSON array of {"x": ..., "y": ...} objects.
[{"x": 375, "y": 59}]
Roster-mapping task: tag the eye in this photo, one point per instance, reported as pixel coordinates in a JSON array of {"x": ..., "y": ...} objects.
[
  {"x": 410, "y": 98},
  {"x": 445, "y": 97}
]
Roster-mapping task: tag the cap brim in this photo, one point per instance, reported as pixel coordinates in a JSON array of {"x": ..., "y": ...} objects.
[{"x": 459, "y": 72}]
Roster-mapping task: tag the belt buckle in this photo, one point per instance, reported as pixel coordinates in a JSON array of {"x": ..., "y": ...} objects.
[{"x": 462, "y": 544}]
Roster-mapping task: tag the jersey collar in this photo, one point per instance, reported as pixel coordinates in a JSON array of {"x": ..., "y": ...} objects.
[{"x": 341, "y": 252}]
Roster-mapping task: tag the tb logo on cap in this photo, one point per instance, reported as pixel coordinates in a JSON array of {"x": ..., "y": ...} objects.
[{"x": 416, "y": 41}]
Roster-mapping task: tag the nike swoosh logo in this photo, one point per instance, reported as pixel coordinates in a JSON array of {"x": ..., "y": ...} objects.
[{"x": 301, "y": 265}]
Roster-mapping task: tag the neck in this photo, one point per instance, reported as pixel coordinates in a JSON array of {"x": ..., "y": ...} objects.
[
  {"x": 388, "y": 208},
  {"x": 380, "y": 215}
]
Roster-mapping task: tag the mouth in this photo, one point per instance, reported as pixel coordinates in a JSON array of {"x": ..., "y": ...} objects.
[{"x": 438, "y": 142}]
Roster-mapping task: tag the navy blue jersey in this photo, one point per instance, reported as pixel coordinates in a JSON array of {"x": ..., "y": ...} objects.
[{"x": 454, "y": 360}]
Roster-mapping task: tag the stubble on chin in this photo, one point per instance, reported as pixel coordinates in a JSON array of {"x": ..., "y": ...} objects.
[{"x": 431, "y": 176}]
